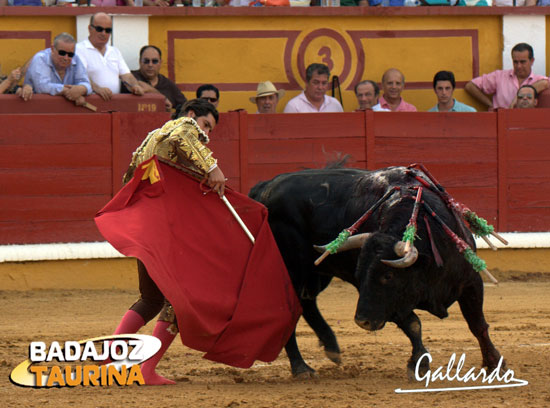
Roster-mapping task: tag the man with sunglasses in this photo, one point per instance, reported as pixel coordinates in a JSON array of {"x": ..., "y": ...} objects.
[
  {"x": 210, "y": 93},
  {"x": 57, "y": 71},
  {"x": 104, "y": 63},
  {"x": 152, "y": 81},
  {"x": 527, "y": 97}
]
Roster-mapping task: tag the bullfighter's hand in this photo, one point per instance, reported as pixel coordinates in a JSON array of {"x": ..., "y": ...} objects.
[{"x": 216, "y": 181}]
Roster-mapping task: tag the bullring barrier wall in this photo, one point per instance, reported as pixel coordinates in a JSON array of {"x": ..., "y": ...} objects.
[
  {"x": 59, "y": 169},
  {"x": 235, "y": 48}
]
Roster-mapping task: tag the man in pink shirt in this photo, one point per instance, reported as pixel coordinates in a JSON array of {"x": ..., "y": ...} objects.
[
  {"x": 313, "y": 98},
  {"x": 393, "y": 83},
  {"x": 504, "y": 84}
]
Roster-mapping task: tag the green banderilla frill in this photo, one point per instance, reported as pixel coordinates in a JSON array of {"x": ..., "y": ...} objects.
[
  {"x": 478, "y": 263},
  {"x": 479, "y": 225},
  {"x": 333, "y": 246},
  {"x": 409, "y": 234}
]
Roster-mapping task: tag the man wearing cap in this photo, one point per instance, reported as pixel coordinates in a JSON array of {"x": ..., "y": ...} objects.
[{"x": 267, "y": 97}]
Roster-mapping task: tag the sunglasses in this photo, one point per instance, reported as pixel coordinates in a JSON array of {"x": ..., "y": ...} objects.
[
  {"x": 100, "y": 29},
  {"x": 63, "y": 53},
  {"x": 211, "y": 100},
  {"x": 153, "y": 61}
]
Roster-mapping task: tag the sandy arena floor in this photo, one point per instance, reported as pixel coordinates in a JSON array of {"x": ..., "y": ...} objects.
[{"x": 373, "y": 364}]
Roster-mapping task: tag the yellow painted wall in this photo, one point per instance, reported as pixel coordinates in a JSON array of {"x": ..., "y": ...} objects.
[
  {"x": 16, "y": 51},
  {"x": 252, "y": 60}
]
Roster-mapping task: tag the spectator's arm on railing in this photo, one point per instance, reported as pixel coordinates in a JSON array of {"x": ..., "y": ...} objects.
[
  {"x": 473, "y": 90},
  {"x": 132, "y": 84},
  {"x": 541, "y": 85},
  {"x": 105, "y": 93},
  {"x": 11, "y": 80}
]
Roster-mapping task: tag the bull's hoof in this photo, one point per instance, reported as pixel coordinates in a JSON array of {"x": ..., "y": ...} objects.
[
  {"x": 306, "y": 375},
  {"x": 304, "y": 372},
  {"x": 422, "y": 370},
  {"x": 334, "y": 356},
  {"x": 496, "y": 365}
]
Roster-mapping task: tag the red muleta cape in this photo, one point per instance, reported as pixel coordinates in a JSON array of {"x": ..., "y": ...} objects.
[{"x": 233, "y": 300}]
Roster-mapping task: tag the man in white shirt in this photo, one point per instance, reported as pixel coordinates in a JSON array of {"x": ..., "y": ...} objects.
[
  {"x": 105, "y": 65},
  {"x": 313, "y": 98}
]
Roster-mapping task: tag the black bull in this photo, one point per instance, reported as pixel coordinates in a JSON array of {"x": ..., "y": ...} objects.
[{"x": 312, "y": 207}]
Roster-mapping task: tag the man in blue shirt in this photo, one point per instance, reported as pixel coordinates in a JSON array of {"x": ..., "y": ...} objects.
[
  {"x": 444, "y": 86},
  {"x": 57, "y": 71}
]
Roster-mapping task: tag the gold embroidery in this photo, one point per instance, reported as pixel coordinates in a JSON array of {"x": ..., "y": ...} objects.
[{"x": 179, "y": 141}]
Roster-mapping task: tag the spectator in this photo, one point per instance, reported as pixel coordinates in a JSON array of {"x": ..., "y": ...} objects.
[
  {"x": 165, "y": 3},
  {"x": 104, "y": 63},
  {"x": 112, "y": 3},
  {"x": 373, "y": 3},
  {"x": 57, "y": 71},
  {"x": 313, "y": 98},
  {"x": 393, "y": 83},
  {"x": 444, "y": 86},
  {"x": 527, "y": 97},
  {"x": 267, "y": 97},
  {"x": 504, "y": 84},
  {"x": 9, "y": 84},
  {"x": 23, "y": 3},
  {"x": 367, "y": 93},
  {"x": 210, "y": 93},
  {"x": 150, "y": 79},
  {"x": 510, "y": 3}
]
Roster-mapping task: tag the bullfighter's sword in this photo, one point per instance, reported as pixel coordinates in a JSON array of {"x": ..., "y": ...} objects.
[{"x": 238, "y": 218}]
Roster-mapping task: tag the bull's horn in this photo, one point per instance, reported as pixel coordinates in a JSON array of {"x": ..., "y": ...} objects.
[
  {"x": 408, "y": 254},
  {"x": 353, "y": 242}
]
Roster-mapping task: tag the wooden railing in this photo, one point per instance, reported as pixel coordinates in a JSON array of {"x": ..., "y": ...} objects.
[{"x": 57, "y": 170}]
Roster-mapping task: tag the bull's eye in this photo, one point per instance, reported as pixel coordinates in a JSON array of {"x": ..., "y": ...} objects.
[{"x": 387, "y": 277}]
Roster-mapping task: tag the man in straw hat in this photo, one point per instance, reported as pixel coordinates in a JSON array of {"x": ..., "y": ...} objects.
[{"x": 267, "y": 97}]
